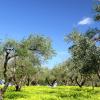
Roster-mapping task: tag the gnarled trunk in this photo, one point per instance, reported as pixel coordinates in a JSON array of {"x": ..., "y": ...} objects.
[
  {"x": 3, "y": 90},
  {"x": 98, "y": 74},
  {"x": 81, "y": 83},
  {"x": 5, "y": 66},
  {"x": 7, "y": 80},
  {"x": 28, "y": 81},
  {"x": 18, "y": 87},
  {"x": 18, "y": 84}
]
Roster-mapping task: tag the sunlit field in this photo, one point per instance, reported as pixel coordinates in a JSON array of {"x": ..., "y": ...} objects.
[{"x": 53, "y": 93}]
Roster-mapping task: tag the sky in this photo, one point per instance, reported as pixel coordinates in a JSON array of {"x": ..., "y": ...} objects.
[{"x": 52, "y": 18}]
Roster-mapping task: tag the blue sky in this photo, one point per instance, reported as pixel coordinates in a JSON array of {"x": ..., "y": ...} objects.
[{"x": 53, "y": 18}]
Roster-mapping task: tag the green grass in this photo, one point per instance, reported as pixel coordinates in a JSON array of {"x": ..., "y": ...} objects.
[{"x": 57, "y": 93}]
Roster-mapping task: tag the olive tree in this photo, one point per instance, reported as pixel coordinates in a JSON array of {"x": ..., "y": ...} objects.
[
  {"x": 36, "y": 49},
  {"x": 84, "y": 54}
]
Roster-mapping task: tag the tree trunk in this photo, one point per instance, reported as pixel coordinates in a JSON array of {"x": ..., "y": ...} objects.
[
  {"x": 28, "y": 81},
  {"x": 65, "y": 82},
  {"x": 5, "y": 67},
  {"x": 1, "y": 94},
  {"x": 81, "y": 83},
  {"x": 3, "y": 90},
  {"x": 98, "y": 74},
  {"x": 71, "y": 80},
  {"x": 92, "y": 82},
  {"x": 92, "y": 85},
  {"x": 18, "y": 87}
]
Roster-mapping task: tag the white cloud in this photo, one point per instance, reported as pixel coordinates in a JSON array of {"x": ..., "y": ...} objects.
[{"x": 86, "y": 21}]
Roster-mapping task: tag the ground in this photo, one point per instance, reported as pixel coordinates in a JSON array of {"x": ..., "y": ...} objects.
[{"x": 53, "y": 93}]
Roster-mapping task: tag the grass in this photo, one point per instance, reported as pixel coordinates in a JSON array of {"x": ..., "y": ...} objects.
[{"x": 57, "y": 93}]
